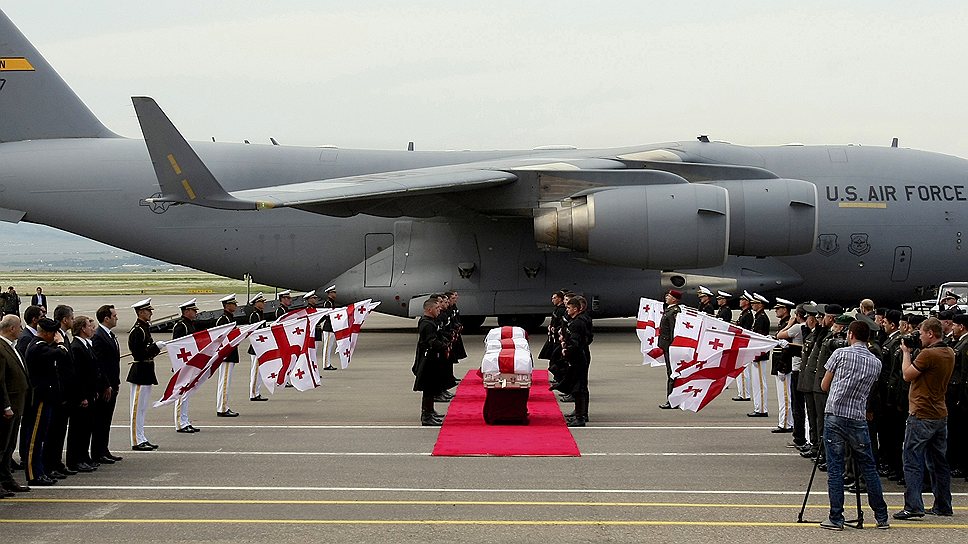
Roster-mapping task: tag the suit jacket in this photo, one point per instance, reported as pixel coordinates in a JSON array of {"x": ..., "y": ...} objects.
[
  {"x": 86, "y": 372},
  {"x": 42, "y": 361},
  {"x": 38, "y": 300},
  {"x": 25, "y": 339},
  {"x": 14, "y": 381},
  {"x": 107, "y": 354}
]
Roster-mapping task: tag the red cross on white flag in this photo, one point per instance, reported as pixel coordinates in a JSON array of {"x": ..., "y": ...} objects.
[
  {"x": 278, "y": 349},
  {"x": 647, "y": 329},
  {"x": 347, "y": 323},
  {"x": 190, "y": 359}
]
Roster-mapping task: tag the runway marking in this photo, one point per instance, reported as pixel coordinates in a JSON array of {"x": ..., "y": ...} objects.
[
  {"x": 427, "y": 454},
  {"x": 435, "y": 429},
  {"x": 818, "y": 492},
  {"x": 591, "y": 522},
  {"x": 370, "y": 502}
]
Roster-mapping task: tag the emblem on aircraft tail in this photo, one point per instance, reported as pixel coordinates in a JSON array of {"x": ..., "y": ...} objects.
[
  {"x": 157, "y": 207},
  {"x": 827, "y": 244},
  {"x": 859, "y": 245}
]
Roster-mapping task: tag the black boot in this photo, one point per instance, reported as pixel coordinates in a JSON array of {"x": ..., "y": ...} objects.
[{"x": 581, "y": 411}]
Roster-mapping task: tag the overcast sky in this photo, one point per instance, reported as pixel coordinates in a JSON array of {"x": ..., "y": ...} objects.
[{"x": 486, "y": 75}]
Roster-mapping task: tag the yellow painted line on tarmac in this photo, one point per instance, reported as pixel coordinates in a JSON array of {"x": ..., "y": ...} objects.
[
  {"x": 361, "y": 502},
  {"x": 590, "y": 522}
]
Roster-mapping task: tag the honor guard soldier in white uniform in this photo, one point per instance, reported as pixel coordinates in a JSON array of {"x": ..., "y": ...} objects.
[
  {"x": 745, "y": 320},
  {"x": 706, "y": 301},
  {"x": 285, "y": 301},
  {"x": 253, "y": 315},
  {"x": 141, "y": 375},
  {"x": 758, "y": 385},
  {"x": 724, "y": 312},
  {"x": 329, "y": 337},
  {"x": 229, "y": 305},
  {"x": 184, "y": 327},
  {"x": 782, "y": 367}
]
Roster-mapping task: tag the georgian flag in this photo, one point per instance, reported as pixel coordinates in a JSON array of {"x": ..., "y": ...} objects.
[
  {"x": 347, "y": 323},
  {"x": 685, "y": 338},
  {"x": 720, "y": 357},
  {"x": 225, "y": 346},
  {"x": 647, "y": 329},
  {"x": 498, "y": 345},
  {"x": 509, "y": 359},
  {"x": 304, "y": 373},
  {"x": 277, "y": 349},
  {"x": 307, "y": 311},
  {"x": 190, "y": 359},
  {"x": 503, "y": 333}
]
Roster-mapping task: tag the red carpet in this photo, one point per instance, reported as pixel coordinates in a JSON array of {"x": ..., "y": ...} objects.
[{"x": 464, "y": 432}]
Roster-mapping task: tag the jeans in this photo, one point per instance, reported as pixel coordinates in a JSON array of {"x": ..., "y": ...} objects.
[
  {"x": 839, "y": 433},
  {"x": 925, "y": 444}
]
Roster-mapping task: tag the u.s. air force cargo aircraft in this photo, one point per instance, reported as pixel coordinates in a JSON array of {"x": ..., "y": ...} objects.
[{"x": 505, "y": 228}]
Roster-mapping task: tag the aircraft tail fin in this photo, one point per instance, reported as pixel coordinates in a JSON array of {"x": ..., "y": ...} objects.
[
  {"x": 182, "y": 175},
  {"x": 35, "y": 103}
]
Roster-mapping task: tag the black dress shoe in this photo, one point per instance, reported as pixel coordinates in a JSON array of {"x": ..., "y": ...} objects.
[
  {"x": 758, "y": 414},
  {"x": 105, "y": 461},
  {"x": 442, "y": 398},
  {"x": 142, "y": 447},
  {"x": 42, "y": 481},
  {"x": 330, "y": 367},
  {"x": 577, "y": 422},
  {"x": 186, "y": 429},
  {"x": 113, "y": 457},
  {"x": 194, "y": 429},
  {"x": 430, "y": 421},
  {"x": 15, "y": 487},
  {"x": 566, "y": 398},
  {"x": 907, "y": 514},
  {"x": 258, "y": 398},
  {"x": 665, "y": 406},
  {"x": 82, "y": 467},
  {"x": 56, "y": 475},
  {"x": 741, "y": 399},
  {"x": 227, "y": 413},
  {"x": 152, "y": 446},
  {"x": 780, "y": 430}
]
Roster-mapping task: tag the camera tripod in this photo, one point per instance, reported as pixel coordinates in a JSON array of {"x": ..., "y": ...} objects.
[{"x": 855, "y": 523}]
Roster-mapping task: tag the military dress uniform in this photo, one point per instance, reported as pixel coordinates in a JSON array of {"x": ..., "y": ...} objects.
[
  {"x": 744, "y": 389},
  {"x": 576, "y": 339},
  {"x": 228, "y": 364},
  {"x": 724, "y": 313},
  {"x": 706, "y": 305},
  {"x": 955, "y": 398},
  {"x": 326, "y": 333},
  {"x": 41, "y": 362},
  {"x": 184, "y": 327},
  {"x": 141, "y": 376},
  {"x": 431, "y": 369},
  {"x": 667, "y": 325},
  {"x": 758, "y": 384},
  {"x": 253, "y": 315},
  {"x": 782, "y": 368}
]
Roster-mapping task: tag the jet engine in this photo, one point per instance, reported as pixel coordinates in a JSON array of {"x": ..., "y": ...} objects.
[{"x": 652, "y": 226}]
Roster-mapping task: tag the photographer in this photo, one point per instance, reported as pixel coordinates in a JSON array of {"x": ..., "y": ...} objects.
[
  {"x": 850, "y": 374},
  {"x": 926, "y": 432}
]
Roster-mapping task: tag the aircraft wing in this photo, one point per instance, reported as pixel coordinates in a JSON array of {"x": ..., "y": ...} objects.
[
  {"x": 402, "y": 183},
  {"x": 184, "y": 178}
]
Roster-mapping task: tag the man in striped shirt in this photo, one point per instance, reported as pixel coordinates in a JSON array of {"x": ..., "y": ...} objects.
[{"x": 851, "y": 373}]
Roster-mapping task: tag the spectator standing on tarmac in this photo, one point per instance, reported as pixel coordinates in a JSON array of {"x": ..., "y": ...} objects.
[{"x": 849, "y": 376}]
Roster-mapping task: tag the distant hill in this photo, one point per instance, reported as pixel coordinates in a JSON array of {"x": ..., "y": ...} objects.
[{"x": 26, "y": 246}]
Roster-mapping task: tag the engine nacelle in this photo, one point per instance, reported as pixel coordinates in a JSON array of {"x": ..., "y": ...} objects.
[
  {"x": 653, "y": 226},
  {"x": 771, "y": 217}
]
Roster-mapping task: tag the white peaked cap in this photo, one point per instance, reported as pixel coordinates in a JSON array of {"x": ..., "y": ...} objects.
[
  {"x": 188, "y": 305},
  {"x": 143, "y": 304},
  {"x": 228, "y": 299},
  {"x": 705, "y": 291},
  {"x": 760, "y": 298}
]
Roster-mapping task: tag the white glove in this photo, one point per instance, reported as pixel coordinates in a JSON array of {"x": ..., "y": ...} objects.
[{"x": 160, "y": 344}]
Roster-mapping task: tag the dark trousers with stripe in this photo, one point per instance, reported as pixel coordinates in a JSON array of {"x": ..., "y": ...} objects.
[{"x": 33, "y": 435}]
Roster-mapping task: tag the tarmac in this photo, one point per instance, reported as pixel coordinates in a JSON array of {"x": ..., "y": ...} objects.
[{"x": 349, "y": 462}]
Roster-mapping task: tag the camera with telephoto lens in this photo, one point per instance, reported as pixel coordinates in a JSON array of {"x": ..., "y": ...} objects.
[{"x": 912, "y": 342}]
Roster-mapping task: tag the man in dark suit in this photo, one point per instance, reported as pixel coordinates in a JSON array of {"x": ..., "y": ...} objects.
[
  {"x": 14, "y": 390},
  {"x": 31, "y": 316},
  {"x": 87, "y": 382},
  {"x": 39, "y": 299},
  {"x": 107, "y": 354}
]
